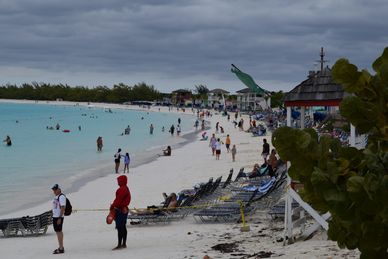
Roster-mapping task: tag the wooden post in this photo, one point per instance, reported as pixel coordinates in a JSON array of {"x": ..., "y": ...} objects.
[
  {"x": 302, "y": 116},
  {"x": 352, "y": 140},
  {"x": 289, "y": 116}
]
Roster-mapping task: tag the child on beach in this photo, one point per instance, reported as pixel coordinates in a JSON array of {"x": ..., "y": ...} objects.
[
  {"x": 126, "y": 162},
  {"x": 227, "y": 143},
  {"x": 234, "y": 151},
  {"x": 178, "y": 130}
]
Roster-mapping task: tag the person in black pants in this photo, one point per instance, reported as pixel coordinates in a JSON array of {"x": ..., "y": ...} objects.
[
  {"x": 265, "y": 152},
  {"x": 120, "y": 206}
]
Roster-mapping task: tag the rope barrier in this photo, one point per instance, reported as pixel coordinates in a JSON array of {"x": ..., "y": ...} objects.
[{"x": 199, "y": 206}]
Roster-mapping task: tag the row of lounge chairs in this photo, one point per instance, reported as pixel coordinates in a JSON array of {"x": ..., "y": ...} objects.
[
  {"x": 193, "y": 199},
  {"x": 243, "y": 199},
  {"x": 209, "y": 202},
  {"x": 26, "y": 226}
]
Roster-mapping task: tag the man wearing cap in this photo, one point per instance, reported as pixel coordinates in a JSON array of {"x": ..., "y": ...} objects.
[{"x": 59, "y": 204}]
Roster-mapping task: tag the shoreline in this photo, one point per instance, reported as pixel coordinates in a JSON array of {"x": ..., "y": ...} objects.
[{"x": 74, "y": 183}]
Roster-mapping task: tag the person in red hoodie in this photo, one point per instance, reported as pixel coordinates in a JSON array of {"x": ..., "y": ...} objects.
[{"x": 120, "y": 206}]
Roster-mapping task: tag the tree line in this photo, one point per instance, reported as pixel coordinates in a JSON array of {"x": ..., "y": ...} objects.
[{"x": 117, "y": 94}]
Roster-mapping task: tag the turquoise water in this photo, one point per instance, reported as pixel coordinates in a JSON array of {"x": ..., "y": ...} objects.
[{"x": 40, "y": 157}]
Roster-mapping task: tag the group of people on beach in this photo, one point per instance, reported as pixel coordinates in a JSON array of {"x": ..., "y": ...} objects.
[
  {"x": 118, "y": 211},
  {"x": 119, "y": 208},
  {"x": 177, "y": 128},
  {"x": 117, "y": 159},
  {"x": 269, "y": 166},
  {"x": 215, "y": 144}
]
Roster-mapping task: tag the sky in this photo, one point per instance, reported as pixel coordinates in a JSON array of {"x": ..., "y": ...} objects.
[{"x": 179, "y": 43}]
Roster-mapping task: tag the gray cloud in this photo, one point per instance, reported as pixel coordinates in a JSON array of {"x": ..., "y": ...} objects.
[{"x": 175, "y": 44}]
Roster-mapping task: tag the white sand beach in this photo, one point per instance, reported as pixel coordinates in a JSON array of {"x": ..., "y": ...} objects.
[{"x": 86, "y": 235}]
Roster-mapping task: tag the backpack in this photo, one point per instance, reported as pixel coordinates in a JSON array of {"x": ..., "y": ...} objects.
[{"x": 68, "y": 207}]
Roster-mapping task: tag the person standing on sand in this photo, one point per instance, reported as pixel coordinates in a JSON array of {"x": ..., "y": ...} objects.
[
  {"x": 126, "y": 162},
  {"x": 99, "y": 143},
  {"x": 234, "y": 151},
  {"x": 178, "y": 130},
  {"x": 227, "y": 143},
  {"x": 59, "y": 205},
  {"x": 117, "y": 157},
  {"x": 203, "y": 125},
  {"x": 218, "y": 149},
  {"x": 120, "y": 206},
  {"x": 265, "y": 152},
  {"x": 212, "y": 144}
]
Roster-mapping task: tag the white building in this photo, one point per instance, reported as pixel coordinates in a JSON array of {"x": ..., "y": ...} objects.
[
  {"x": 214, "y": 98},
  {"x": 247, "y": 100}
]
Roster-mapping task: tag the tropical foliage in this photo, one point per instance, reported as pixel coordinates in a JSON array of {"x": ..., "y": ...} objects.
[
  {"x": 117, "y": 94},
  {"x": 352, "y": 184},
  {"x": 277, "y": 99}
]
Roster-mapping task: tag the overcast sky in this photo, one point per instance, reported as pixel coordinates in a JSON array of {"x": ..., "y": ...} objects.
[{"x": 180, "y": 43}]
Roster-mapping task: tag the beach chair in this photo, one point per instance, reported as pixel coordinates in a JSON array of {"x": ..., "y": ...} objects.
[
  {"x": 37, "y": 225},
  {"x": 203, "y": 190},
  {"x": 228, "y": 180},
  {"x": 277, "y": 211},
  {"x": 228, "y": 211},
  {"x": 161, "y": 214},
  {"x": 3, "y": 225},
  {"x": 209, "y": 186},
  {"x": 222, "y": 213},
  {"x": 240, "y": 174},
  {"x": 14, "y": 227},
  {"x": 215, "y": 185}
]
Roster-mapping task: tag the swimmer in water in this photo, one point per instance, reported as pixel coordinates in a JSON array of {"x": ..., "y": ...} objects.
[
  {"x": 8, "y": 141},
  {"x": 152, "y": 129}
]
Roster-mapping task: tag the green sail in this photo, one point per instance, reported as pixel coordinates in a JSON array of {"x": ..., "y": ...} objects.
[{"x": 248, "y": 81}]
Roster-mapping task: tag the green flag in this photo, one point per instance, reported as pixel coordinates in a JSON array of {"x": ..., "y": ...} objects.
[{"x": 248, "y": 81}]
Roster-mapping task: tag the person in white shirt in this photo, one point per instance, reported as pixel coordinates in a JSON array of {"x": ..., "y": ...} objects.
[
  {"x": 59, "y": 204},
  {"x": 218, "y": 148}
]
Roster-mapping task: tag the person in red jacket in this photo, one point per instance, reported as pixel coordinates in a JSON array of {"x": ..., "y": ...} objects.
[{"x": 120, "y": 205}]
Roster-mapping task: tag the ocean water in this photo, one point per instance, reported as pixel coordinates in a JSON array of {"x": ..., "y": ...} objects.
[{"x": 40, "y": 157}]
